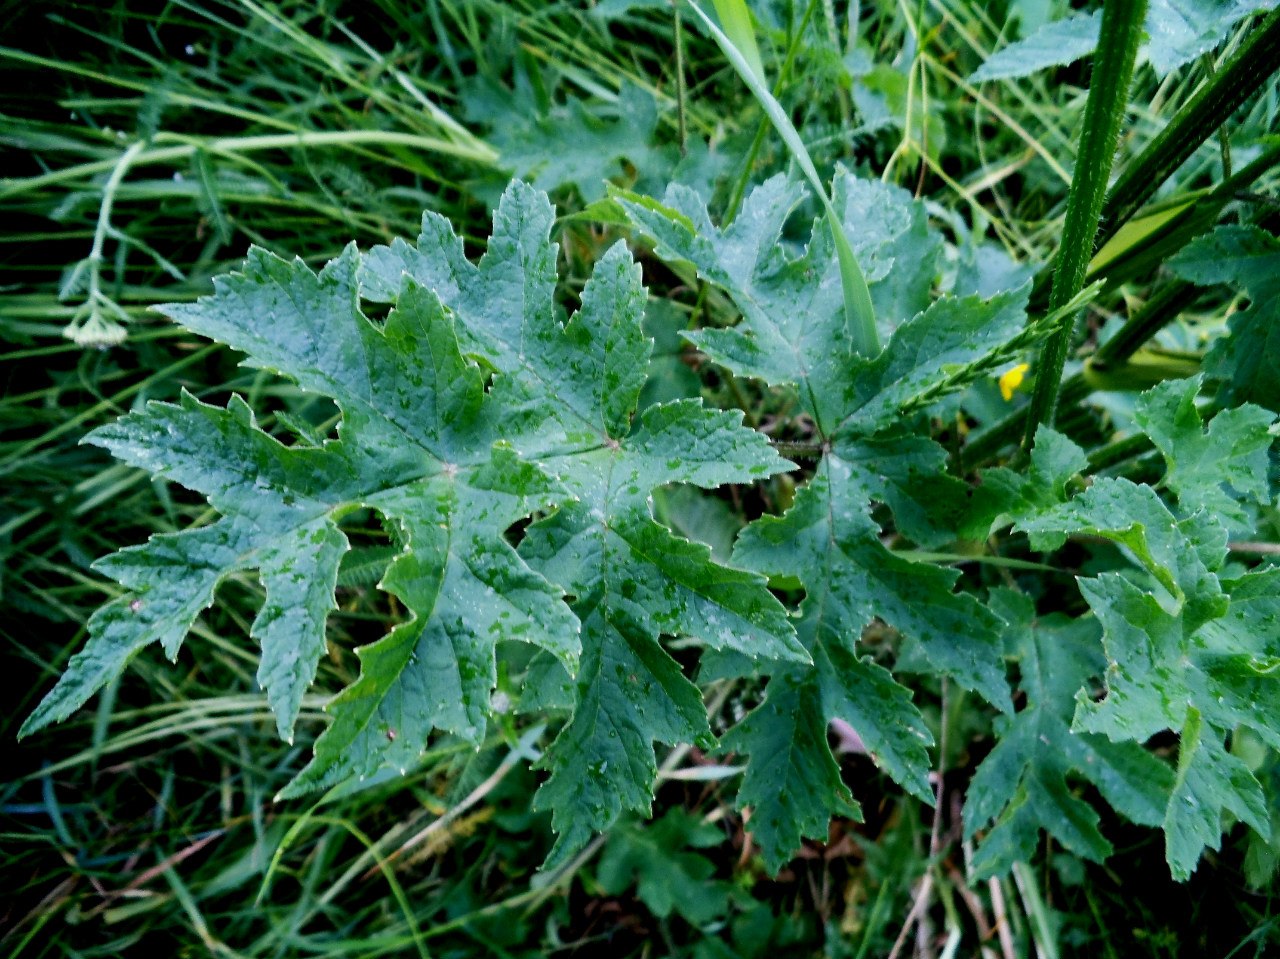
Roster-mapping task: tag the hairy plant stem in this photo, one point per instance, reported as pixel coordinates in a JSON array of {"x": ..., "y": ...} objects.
[
  {"x": 1224, "y": 92},
  {"x": 1221, "y": 95},
  {"x": 1123, "y": 257},
  {"x": 1163, "y": 308},
  {"x": 804, "y": 451},
  {"x": 1108, "y": 95},
  {"x": 100, "y": 312}
]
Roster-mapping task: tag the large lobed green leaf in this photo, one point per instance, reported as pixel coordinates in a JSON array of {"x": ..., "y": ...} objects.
[
  {"x": 1245, "y": 361},
  {"x": 1187, "y": 647},
  {"x": 793, "y": 327},
  {"x": 452, "y": 465},
  {"x": 792, "y": 334},
  {"x": 1024, "y": 785},
  {"x": 573, "y": 389}
]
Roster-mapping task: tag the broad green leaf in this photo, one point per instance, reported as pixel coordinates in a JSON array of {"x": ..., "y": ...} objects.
[
  {"x": 1245, "y": 360},
  {"x": 1134, "y": 517},
  {"x": 792, "y": 784},
  {"x": 908, "y": 474},
  {"x": 284, "y": 492},
  {"x": 1178, "y": 663},
  {"x": 828, "y": 541},
  {"x": 474, "y": 409},
  {"x": 1006, "y": 496},
  {"x": 1239, "y": 654},
  {"x": 927, "y": 356},
  {"x": 554, "y": 140},
  {"x": 1054, "y": 44},
  {"x": 793, "y": 330},
  {"x": 1208, "y": 469},
  {"x": 1210, "y": 780},
  {"x": 707, "y": 519},
  {"x": 417, "y": 440},
  {"x": 299, "y": 573},
  {"x": 1024, "y": 785},
  {"x": 573, "y": 390},
  {"x": 634, "y": 580},
  {"x": 792, "y": 333},
  {"x": 1164, "y": 673},
  {"x": 585, "y": 375},
  {"x": 577, "y": 145},
  {"x": 1185, "y": 650},
  {"x": 466, "y": 589},
  {"x": 171, "y": 579},
  {"x": 1177, "y": 31},
  {"x": 890, "y": 233}
]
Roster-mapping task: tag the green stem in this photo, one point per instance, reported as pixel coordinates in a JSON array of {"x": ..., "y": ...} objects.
[
  {"x": 744, "y": 179},
  {"x": 1168, "y": 302},
  {"x": 1220, "y": 96},
  {"x": 1132, "y": 251},
  {"x": 1108, "y": 96},
  {"x": 1162, "y": 309},
  {"x": 804, "y": 451},
  {"x": 1118, "y": 452},
  {"x": 680, "y": 85},
  {"x": 1145, "y": 368},
  {"x": 104, "y": 212},
  {"x": 95, "y": 323}
]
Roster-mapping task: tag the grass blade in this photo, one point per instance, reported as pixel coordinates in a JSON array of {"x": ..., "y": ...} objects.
[{"x": 859, "y": 313}]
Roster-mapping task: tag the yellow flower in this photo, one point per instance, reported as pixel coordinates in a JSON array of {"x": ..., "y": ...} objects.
[{"x": 1011, "y": 379}]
